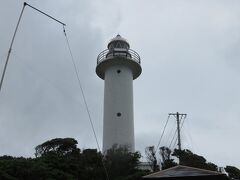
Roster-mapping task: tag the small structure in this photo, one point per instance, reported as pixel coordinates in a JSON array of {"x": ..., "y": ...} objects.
[
  {"x": 185, "y": 173},
  {"x": 145, "y": 166}
]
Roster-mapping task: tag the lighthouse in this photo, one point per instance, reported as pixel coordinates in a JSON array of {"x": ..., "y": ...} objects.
[{"x": 118, "y": 66}]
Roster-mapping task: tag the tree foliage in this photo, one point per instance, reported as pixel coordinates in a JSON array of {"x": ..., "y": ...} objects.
[
  {"x": 61, "y": 159},
  {"x": 166, "y": 160},
  {"x": 233, "y": 172},
  {"x": 58, "y": 146},
  {"x": 121, "y": 163},
  {"x": 187, "y": 158},
  {"x": 150, "y": 153}
]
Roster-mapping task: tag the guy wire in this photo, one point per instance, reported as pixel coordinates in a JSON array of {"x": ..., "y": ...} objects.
[
  {"x": 84, "y": 98},
  {"x": 162, "y": 132}
]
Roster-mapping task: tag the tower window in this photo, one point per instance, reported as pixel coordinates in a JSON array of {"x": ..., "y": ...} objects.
[
  {"x": 119, "y": 114},
  {"x": 118, "y": 71}
]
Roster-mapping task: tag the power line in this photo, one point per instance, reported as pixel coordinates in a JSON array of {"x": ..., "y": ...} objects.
[
  {"x": 173, "y": 129},
  {"x": 84, "y": 98},
  {"x": 163, "y": 132},
  {"x": 188, "y": 133},
  {"x": 172, "y": 139},
  {"x": 186, "y": 139},
  {"x": 175, "y": 133},
  {"x": 180, "y": 127},
  {"x": 183, "y": 121},
  {"x": 175, "y": 142},
  {"x": 178, "y": 117}
]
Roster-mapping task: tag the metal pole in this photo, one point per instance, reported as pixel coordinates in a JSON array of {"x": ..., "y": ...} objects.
[
  {"x": 178, "y": 130},
  {"x": 15, "y": 32},
  {"x": 178, "y": 116},
  {"x": 10, "y": 48}
]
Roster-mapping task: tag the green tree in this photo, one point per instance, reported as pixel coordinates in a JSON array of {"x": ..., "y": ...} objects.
[
  {"x": 61, "y": 159},
  {"x": 150, "y": 153},
  {"x": 187, "y": 158},
  {"x": 91, "y": 165},
  {"x": 166, "y": 160},
  {"x": 58, "y": 146},
  {"x": 233, "y": 172},
  {"x": 122, "y": 164}
]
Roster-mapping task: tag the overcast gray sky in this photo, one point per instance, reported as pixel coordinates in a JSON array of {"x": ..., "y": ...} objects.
[{"x": 190, "y": 54}]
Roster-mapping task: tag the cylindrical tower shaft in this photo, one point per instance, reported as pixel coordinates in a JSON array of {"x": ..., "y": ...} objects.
[{"x": 118, "y": 108}]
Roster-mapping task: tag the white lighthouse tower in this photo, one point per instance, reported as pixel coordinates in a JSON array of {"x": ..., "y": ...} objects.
[{"x": 118, "y": 66}]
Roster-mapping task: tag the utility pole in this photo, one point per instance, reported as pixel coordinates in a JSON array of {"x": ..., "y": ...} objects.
[{"x": 178, "y": 116}]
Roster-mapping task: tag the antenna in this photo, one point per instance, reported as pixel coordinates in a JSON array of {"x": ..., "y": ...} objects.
[
  {"x": 14, "y": 35},
  {"x": 64, "y": 31}
]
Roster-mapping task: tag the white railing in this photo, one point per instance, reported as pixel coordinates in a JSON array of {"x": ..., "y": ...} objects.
[{"x": 130, "y": 54}]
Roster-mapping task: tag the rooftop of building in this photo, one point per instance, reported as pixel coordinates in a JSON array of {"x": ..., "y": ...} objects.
[{"x": 185, "y": 172}]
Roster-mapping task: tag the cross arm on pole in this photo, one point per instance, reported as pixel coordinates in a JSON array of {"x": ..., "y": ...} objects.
[{"x": 178, "y": 117}]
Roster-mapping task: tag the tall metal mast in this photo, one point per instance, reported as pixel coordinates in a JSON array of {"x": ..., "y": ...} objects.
[
  {"x": 14, "y": 35},
  {"x": 10, "y": 48}
]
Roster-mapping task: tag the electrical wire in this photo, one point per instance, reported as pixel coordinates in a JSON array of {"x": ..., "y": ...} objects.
[
  {"x": 188, "y": 132},
  {"x": 162, "y": 133},
  {"x": 182, "y": 121},
  {"x": 175, "y": 143},
  {"x": 172, "y": 133},
  {"x": 84, "y": 98},
  {"x": 174, "y": 136}
]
